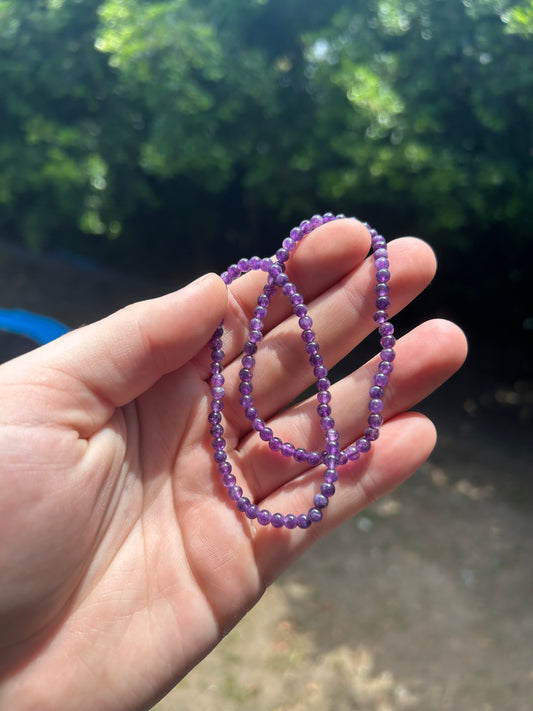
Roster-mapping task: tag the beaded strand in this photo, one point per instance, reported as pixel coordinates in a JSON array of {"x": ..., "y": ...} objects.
[{"x": 332, "y": 456}]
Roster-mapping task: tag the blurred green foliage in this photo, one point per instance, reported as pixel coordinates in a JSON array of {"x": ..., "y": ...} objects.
[{"x": 126, "y": 126}]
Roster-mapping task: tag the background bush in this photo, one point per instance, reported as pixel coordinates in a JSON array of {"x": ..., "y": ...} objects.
[{"x": 176, "y": 135}]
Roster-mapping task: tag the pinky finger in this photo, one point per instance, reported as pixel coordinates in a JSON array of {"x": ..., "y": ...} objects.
[{"x": 404, "y": 445}]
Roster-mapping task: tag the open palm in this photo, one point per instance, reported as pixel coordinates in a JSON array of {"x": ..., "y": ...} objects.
[{"x": 122, "y": 559}]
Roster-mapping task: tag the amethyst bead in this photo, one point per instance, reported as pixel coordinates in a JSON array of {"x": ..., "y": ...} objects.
[
  {"x": 282, "y": 255},
  {"x": 296, "y": 299},
  {"x": 387, "y": 354},
  {"x": 289, "y": 244},
  {"x": 258, "y": 424},
  {"x": 228, "y": 480},
  {"x": 275, "y": 444},
  {"x": 235, "y": 492},
  {"x": 242, "y": 503},
  {"x": 255, "y": 336},
  {"x": 277, "y": 520},
  {"x": 315, "y": 515},
  {"x": 214, "y": 418},
  {"x": 252, "y": 510},
  {"x": 382, "y": 303},
  {"x": 380, "y": 379},
  {"x": 246, "y": 401},
  {"x": 362, "y": 445},
  {"x": 371, "y": 434},
  {"x": 323, "y": 411},
  {"x": 289, "y": 289},
  {"x": 320, "y": 501},
  {"x": 386, "y": 367},
  {"x": 304, "y": 521},
  {"x": 388, "y": 341},
  {"x": 382, "y": 275},
  {"x": 296, "y": 234},
  {"x": 287, "y": 449},
  {"x": 314, "y": 458},
  {"x": 375, "y": 420},
  {"x": 375, "y": 405},
  {"x": 300, "y": 455},
  {"x": 250, "y": 348},
  {"x": 330, "y": 476},
  {"x": 352, "y": 453},
  {"x": 248, "y": 362},
  {"x": 264, "y": 517},
  {"x": 327, "y": 489},
  {"x": 290, "y": 521},
  {"x": 380, "y": 316}
]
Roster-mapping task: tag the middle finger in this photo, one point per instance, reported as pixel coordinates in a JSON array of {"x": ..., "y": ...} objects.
[{"x": 342, "y": 317}]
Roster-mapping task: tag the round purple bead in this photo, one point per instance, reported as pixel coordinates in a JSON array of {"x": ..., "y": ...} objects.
[
  {"x": 371, "y": 434},
  {"x": 375, "y": 405},
  {"x": 252, "y": 510},
  {"x": 242, "y": 503},
  {"x": 362, "y": 445},
  {"x": 314, "y": 458},
  {"x": 320, "y": 501},
  {"x": 330, "y": 476},
  {"x": 375, "y": 420},
  {"x": 315, "y": 515},
  {"x": 277, "y": 520},
  {"x": 352, "y": 453},
  {"x": 300, "y": 455},
  {"x": 387, "y": 354},
  {"x": 290, "y": 521},
  {"x": 264, "y": 517},
  {"x": 266, "y": 434},
  {"x": 275, "y": 444},
  {"x": 287, "y": 449},
  {"x": 296, "y": 234},
  {"x": 327, "y": 489},
  {"x": 304, "y": 521}
]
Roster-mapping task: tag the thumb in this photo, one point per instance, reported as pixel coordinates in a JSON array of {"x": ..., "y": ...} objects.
[{"x": 121, "y": 356}]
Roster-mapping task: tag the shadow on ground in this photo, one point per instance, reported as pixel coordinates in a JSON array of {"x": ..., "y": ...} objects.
[{"x": 421, "y": 602}]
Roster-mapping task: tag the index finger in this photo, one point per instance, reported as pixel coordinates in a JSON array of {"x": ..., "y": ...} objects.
[{"x": 321, "y": 259}]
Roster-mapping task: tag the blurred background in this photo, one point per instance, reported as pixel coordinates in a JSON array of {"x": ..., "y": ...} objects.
[{"x": 143, "y": 143}]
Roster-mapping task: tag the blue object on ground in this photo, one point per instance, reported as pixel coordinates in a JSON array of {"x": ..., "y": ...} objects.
[{"x": 40, "y": 329}]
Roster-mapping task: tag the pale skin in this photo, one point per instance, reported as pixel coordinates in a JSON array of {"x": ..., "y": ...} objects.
[{"x": 122, "y": 559}]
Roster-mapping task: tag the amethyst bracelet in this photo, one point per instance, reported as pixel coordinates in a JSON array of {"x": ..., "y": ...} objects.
[{"x": 332, "y": 455}]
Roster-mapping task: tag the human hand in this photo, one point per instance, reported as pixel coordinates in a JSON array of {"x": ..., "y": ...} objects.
[{"x": 122, "y": 560}]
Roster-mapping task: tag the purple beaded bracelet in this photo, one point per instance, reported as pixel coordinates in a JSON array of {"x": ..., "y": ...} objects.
[{"x": 332, "y": 456}]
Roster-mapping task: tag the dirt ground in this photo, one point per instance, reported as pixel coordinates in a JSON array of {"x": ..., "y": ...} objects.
[{"x": 423, "y": 601}]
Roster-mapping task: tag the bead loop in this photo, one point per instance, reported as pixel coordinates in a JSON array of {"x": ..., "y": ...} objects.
[{"x": 332, "y": 455}]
